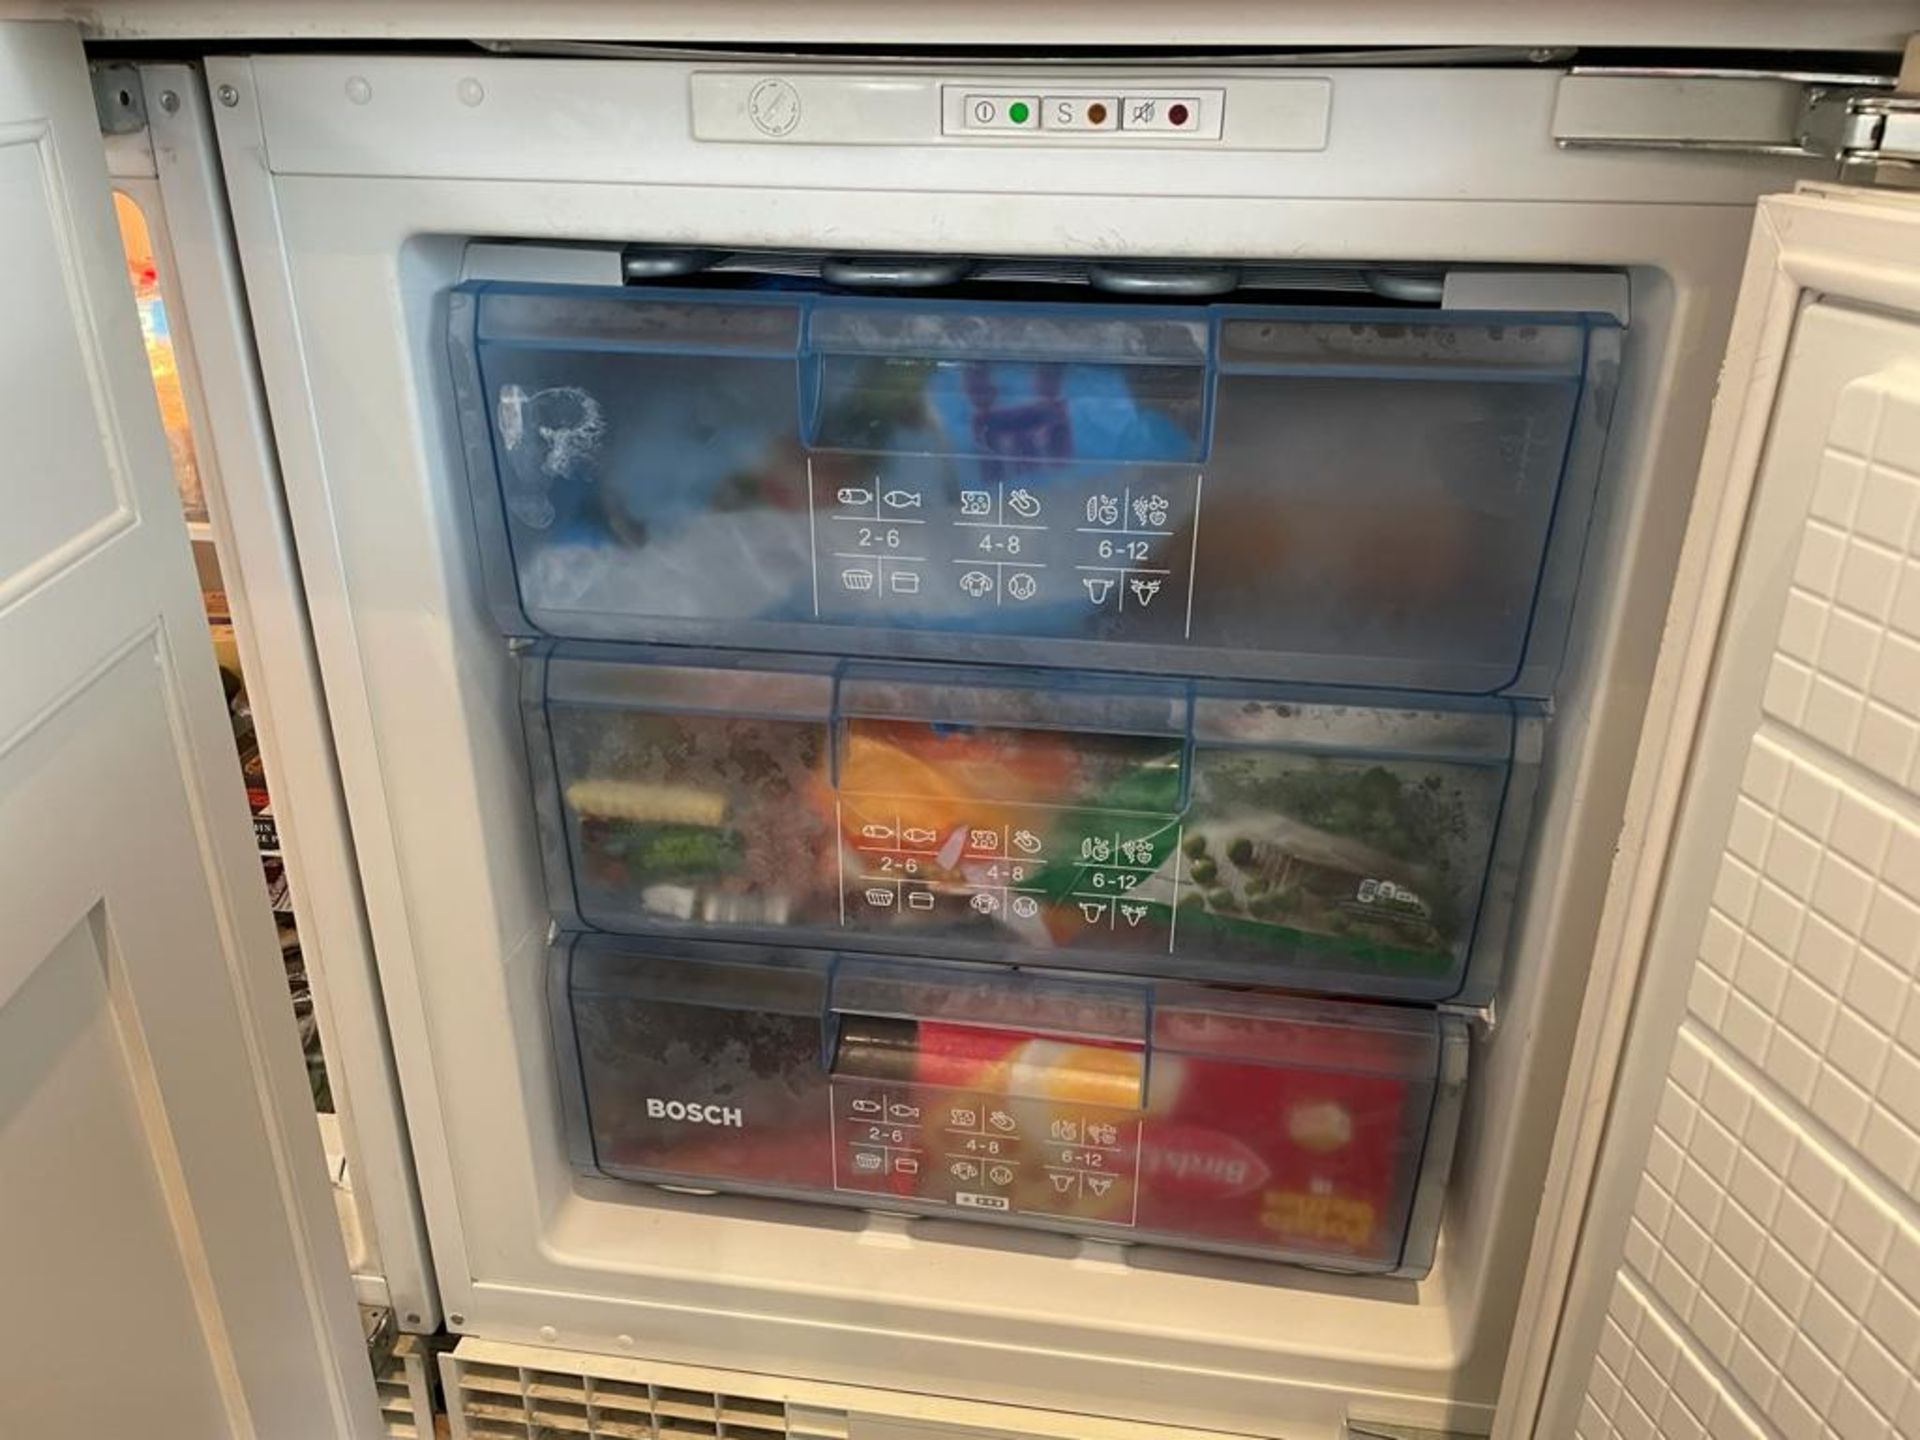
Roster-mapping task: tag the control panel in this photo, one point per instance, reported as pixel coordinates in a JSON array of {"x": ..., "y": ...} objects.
[
  {"x": 829, "y": 107},
  {"x": 1050, "y": 111}
]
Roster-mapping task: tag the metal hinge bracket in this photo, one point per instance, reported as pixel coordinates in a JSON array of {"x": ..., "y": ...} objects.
[
  {"x": 1860, "y": 125},
  {"x": 1381, "y": 1430},
  {"x": 117, "y": 98},
  {"x": 1857, "y": 129}
]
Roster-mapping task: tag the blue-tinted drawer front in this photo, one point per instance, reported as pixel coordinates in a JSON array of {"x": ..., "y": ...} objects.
[
  {"x": 1343, "y": 843},
  {"x": 1327, "y": 497}
]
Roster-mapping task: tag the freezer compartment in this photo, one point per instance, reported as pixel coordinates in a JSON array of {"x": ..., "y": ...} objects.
[
  {"x": 1356, "y": 497},
  {"x": 1156, "y": 1112},
  {"x": 1316, "y": 840}
]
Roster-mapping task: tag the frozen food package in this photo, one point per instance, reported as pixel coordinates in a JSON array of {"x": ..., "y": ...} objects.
[
  {"x": 1152, "y": 1112},
  {"x": 1342, "y": 843}
]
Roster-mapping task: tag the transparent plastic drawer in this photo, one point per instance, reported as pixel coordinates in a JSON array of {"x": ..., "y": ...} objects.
[
  {"x": 1333, "y": 497},
  {"x": 1353, "y": 844},
  {"x": 1278, "y": 1127}
]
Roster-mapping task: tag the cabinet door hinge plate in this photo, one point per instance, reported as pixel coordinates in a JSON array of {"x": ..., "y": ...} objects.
[
  {"x": 117, "y": 98},
  {"x": 1860, "y": 128}
]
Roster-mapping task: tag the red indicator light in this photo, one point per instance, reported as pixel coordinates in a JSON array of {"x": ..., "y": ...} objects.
[{"x": 1177, "y": 114}]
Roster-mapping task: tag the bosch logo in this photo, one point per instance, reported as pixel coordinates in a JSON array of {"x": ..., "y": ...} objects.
[{"x": 695, "y": 1114}]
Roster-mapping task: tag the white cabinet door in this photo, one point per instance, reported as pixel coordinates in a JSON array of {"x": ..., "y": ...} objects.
[
  {"x": 1748, "y": 1259},
  {"x": 167, "y": 1248}
]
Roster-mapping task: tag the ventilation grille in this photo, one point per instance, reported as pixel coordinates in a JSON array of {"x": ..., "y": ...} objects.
[
  {"x": 509, "y": 1402},
  {"x": 406, "y": 1406},
  {"x": 500, "y": 1390}
]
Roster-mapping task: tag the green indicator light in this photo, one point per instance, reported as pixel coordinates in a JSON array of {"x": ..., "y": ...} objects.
[{"x": 1018, "y": 112}]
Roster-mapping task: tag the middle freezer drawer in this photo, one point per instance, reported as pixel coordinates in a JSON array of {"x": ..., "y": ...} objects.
[{"x": 1352, "y": 844}]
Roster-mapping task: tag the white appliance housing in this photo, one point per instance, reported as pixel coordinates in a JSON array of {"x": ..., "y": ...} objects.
[
  {"x": 357, "y": 185},
  {"x": 361, "y": 188}
]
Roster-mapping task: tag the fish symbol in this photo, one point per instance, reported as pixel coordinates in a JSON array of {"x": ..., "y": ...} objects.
[
  {"x": 915, "y": 835},
  {"x": 902, "y": 499},
  {"x": 854, "y": 495}
]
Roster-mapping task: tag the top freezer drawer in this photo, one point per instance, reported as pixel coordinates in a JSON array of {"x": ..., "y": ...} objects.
[{"x": 1349, "y": 497}]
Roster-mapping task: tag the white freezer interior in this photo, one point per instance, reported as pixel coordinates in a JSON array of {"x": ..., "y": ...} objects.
[{"x": 356, "y": 184}]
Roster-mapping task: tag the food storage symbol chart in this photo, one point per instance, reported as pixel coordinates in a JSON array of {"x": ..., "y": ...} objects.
[
  {"x": 1109, "y": 880},
  {"x": 1069, "y": 553},
  {"x": 986, "y": 1152},
  {"x": 880, "y": 544}
]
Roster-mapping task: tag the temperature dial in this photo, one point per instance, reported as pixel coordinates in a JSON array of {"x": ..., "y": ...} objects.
[{"x": 774, "y": 107}]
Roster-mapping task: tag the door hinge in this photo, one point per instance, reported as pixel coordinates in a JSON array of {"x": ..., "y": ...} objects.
[
  {"x": 1862, "y": 130},
  {"x": 1382, "y": 1430},
  {"x": 117, "y": 98},
  {"x": 1859, "y": 125},
  {"x": 378, "y": 1330}
]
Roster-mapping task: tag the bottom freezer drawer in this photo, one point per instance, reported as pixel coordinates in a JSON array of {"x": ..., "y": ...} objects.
[{"x": 1308, "y": 1131}]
